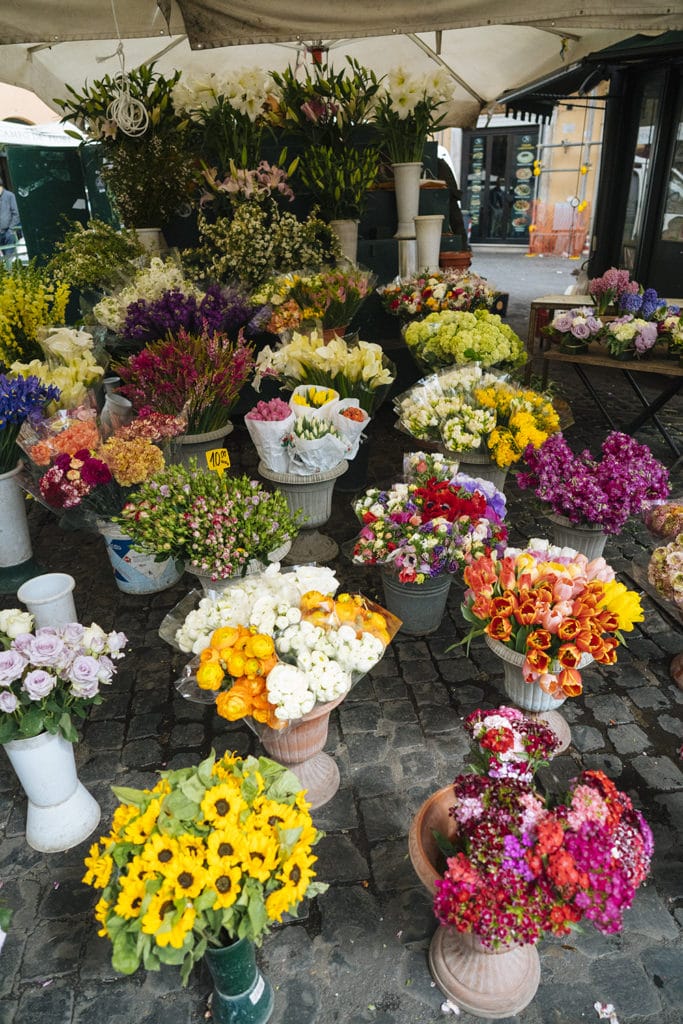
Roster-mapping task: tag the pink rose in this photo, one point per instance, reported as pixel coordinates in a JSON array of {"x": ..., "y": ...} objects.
[
  {"x": 8, "y": 702},
  {"x": 12, "y": 665},
  {"x": 46, "y": 649},
  {"x": 83, "y": 676}
]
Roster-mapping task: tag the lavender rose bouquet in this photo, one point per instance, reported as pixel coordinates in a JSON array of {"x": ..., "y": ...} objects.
[
  {"x": 49, "y": 679},
  {"x": 575, "y": 327}
]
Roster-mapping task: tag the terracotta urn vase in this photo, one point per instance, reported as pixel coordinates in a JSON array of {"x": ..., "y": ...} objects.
[{"x": 486, "y": 983}]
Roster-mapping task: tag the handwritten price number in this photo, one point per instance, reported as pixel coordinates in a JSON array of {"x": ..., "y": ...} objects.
[{"x": 218, "y": 460}]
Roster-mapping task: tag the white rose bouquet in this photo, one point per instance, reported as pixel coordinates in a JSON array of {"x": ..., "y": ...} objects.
[{"x": 51, "y": 677}]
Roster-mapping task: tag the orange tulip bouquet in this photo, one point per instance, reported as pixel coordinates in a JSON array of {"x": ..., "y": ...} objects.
[
  {"x": 552, "y": 605},
  {"x": 273, "y": 645}
]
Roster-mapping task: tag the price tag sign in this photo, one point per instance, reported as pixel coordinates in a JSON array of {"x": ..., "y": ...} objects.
[{"x": 218, "y": 460}]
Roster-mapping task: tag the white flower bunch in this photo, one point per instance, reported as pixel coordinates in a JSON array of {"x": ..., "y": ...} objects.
[
  {"x": 404, "y": 90},
  {"x": 246, "y": 89},
  {"x": 14, "y": 622},
  {"x": 289, "y": 692},
  {"x": 312, "y": 429},
  {"x": 270, "y": 596},
  {"x": 149, "y": 283},
  {"x": 468, "y": 429}
]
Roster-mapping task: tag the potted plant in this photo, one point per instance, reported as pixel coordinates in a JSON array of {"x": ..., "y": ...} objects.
[
  {"x": 50, "y": 679},
  {"x": 147, "y": 165},
  {"x": 216, "y": 524},
  {"x": 607, "y": 290},
  {"x": 228, "y": 848},
  {"x": 408, "y": 108},
  {"x": 93, "y": 258},
  {"x": 628, "y": 337},
  {"x": 588, "y": 498},
  {"x": 547, "y": 612},
  {"x": 421, "y": 536}
]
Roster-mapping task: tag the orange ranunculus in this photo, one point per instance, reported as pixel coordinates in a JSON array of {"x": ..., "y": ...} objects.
[
  {"x": 235, "y": 664},
  {"x": 570, "y": 682},
  {"x": 209, "y": 654},
  {"x": 499, "y": 628},
  {"x": 269, "y": 663},
  {"x": 537, "y": 659},
  {"x": 539, "y": 638},
  {"x": 210, "y": 675},
  {"x": 252, "y": 667},
  {"x": 502, "y": 605},
  {"x": 569, "y": 629},
  {"x": 569, "y": 656},
  {"x": 234, "y": 704},
  {"x": 527, "y": 611},
  {"x": 223, "y": 637}
]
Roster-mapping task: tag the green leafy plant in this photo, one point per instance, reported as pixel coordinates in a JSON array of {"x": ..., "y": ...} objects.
[
  {"x": 339, "y": 180},
  {"x": 95, "y": 255}
]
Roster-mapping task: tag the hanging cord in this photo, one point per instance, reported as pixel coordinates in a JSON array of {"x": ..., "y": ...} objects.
[{"x": 127, "y": 113}]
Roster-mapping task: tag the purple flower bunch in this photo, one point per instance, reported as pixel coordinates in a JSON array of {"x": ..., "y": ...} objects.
[
  {"x": 51, "y": 677},
  {"x": 220, "y": 309},
  {"x": 580, "y": 324},
  {"x": 605, "y": 492},
  {"x": 646, "y": 305},
  {"x": 21, "y": 398}
]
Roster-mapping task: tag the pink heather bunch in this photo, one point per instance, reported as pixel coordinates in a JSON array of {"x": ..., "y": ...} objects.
[
  {"x": 271, "y": 411},
  {"x": 606, "y": 491}
]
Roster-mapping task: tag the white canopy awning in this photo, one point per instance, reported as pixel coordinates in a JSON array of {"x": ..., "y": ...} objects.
[{"x": 488, "y": 47}]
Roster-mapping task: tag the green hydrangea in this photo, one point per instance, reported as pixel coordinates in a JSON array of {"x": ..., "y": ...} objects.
[{"x": 457, "y": 337}]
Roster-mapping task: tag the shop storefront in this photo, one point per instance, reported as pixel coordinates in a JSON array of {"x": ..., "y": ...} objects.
[{"x": 499, "y": 183}]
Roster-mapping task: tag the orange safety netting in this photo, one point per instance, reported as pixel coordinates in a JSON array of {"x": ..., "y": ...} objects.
[{"x": 558, "y": 229}]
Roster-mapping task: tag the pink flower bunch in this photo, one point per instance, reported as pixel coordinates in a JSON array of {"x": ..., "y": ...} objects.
[
  {"x": 271, "y": 411},
  {"x": 514, "y": 745},
  {"x": 72, "y": 477},
  {"x": 153, "y": 426},
  {"x": 521, "y": 867},
  {"x": 242, "y": 184},
  {"x": 610, "y": 287}
]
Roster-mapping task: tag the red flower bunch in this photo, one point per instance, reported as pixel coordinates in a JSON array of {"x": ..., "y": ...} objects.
[
  {"x": 513, "y": 744},
  {"x": 72, "y": 477},
  {"x": 521, "y": 867},
  {"x": 442, "y": 500}
]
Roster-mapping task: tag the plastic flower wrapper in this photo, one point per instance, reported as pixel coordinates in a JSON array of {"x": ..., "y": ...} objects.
[
  {"x": 269, "y": 424},
  {"x": 312, "y": 402},
  {"x": 73, "y": 379},
  {"x": 419, "y": 467},
  {"x": 665, "y": 519},
  {"x": 292, "y": 649},
  {"x": 66, "y": 345},
  {"x": 316, "y": 447},
  {"x": 513, "y": 745},
  {"x": 66, "y": 432},
  {"x": 665, "y": 570},
  {"x": 22, "y": 400},
  {"x": 190, "y": 892},
  {"x": 554, "y": 606},
  {"x": 350, "y": 420}
]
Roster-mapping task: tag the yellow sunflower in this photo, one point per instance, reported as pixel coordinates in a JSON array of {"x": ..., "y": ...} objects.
[
  {"x": 225, "y": 878},
  {"x": 262, "y": 855},
  {"x": 223, "y": 768},
  {"x": 102, "y": 908},
  {"x": 99, "y": 865},
  {"x": 296, "y": 874},
  {"x": 122, "y": 815},
  {"x": 273, "y": 814},
  {"x": 159, "y": 851},
  {"x": 223, "y": 803},
  {"x": 186, "y": 876},
  {"x": 278, "y": 903},
  {"x": 140, "y": 828},
  {"x": 174, "y": 934},
  {"x": 226, "y": 844},
  {"x": 160, "y": 904},
  {"x": 192, "y": 846},
  {"x": 130, "y": 897}
]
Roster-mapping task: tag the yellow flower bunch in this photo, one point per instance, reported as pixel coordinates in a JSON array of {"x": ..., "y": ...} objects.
[
  {"x": 225, "y": 846},
  {"x": 73, "y": 378},
  {"x": 29, "y": 299},
  {"x": 315, "y": 398},
  {"x": 524, "y": 417},
  {"x": 132, "y": 461}
]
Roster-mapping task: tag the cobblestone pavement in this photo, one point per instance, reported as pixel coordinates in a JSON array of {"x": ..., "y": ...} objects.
[{"x": 358, "y": 953}]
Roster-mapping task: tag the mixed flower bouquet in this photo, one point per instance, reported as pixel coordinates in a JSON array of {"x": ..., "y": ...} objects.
[
  {"x": 520, "y": 866},
  {"x": 419, "y": 467},
  {"x": 199, "y": 375},
  {"x": 66, "y": 431},
  {"x": 552, "y": 605},
  {"x": 419, "y": 532},
  {"x": 574, "y": 328},
  {"x": 665, "y": 519},
  {"x": 72, "y": 362},
  {"x": 465, "y": 408},
  {"x": 330, "y": 298},
  {"x": 51, "y": 677},
  {"x": 605, "y": 492},
  {"x": 148, "y": 284},
  {"x": 630, "y": 337},
  {"x": 354, "y": 370},
  {"x": 670, "y": 331},
  {"x": 415, "y": 297},
  {"x": 209, "y": 855},
  {"x": 610, "y": 287},
  {"x": 512, "y": 745},
  {"x": 665, "y": 570},
  {"x": 30, "y": 298},
  {"x": 21, "y": 399},
  {"x": 459, "y": 337},
  {"x": 214, "y": 524},
  {"x": 407, "y": 109}
]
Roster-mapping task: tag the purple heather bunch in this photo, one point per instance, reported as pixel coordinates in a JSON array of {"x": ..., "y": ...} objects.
[
  {"x": 21, "y": 398},
  {"x": 604, "y": 492},
  {"x": 221, "y": 308}
]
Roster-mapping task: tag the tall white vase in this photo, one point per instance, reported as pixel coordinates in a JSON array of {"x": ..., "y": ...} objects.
[
  {"x": 407, "y": 188},
  {"x": 61, "y": 812},
  {"x": 428, "y": 235},
  {"x": 49, "y": 598},
  {"x": 347, "y": 233},
  {"x": 151, "y": 239},
  {"x": 16, "y": 553}
]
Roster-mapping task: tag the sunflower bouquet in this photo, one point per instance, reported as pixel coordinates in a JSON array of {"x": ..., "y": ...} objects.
[{"x": 211, "y": 854}]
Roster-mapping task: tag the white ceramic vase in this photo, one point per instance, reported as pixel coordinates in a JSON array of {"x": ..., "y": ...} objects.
[
  {"x": 61, "y": 812},
  {"x": 347, "y": 233},
  {"x": 49, "y": 598},
  {"x": 16, "y": 553},
  {"x": 428, "y": 235},
  {"x": 407, "y": 189}
]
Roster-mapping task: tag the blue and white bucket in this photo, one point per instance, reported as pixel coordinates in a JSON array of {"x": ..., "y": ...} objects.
[{"x": 134, "y": 571}]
